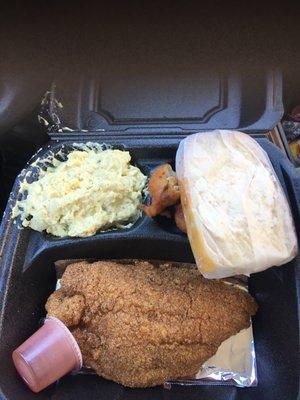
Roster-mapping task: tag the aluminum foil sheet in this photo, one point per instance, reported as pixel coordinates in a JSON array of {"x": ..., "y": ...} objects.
[{"x": 233, "y": 364}]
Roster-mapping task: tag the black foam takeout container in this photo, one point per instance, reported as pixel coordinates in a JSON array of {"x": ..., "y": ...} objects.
[{"x": 28, "y": 277}]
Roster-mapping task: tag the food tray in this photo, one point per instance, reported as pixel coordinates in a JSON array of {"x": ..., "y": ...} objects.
[{"x": 28, "y": 277}]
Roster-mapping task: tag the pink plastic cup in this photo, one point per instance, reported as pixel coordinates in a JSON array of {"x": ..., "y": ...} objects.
[{"x": 50, "y": 353}]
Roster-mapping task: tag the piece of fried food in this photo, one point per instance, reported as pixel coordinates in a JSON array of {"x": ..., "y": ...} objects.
[
  {"x": 141, "y": 324},
  {"x": 179, "y": 218},
  {"x": 163, "y": 189}
]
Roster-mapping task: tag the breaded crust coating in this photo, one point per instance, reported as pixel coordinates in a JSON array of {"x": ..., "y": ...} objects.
[{"x": 140, "y": 324}]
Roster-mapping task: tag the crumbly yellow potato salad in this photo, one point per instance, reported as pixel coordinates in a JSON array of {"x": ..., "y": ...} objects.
[{"x": 94, "y": 189}]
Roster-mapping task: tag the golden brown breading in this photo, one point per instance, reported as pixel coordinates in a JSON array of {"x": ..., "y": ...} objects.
[
  {"x": 141, "y": 324},
  {"x": 163, "y": 188}
]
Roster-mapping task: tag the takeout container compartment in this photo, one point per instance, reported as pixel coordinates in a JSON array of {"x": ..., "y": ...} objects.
[
  {"x": 140, "y": 156},
  {"x": 28, "y": 278},
  {"x": 27, "y": 257}
]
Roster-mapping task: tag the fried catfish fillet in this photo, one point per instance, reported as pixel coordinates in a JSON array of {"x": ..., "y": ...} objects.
[{"x": 140, "y": 323}]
